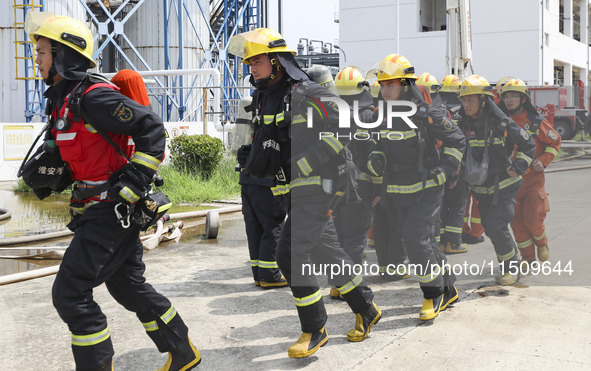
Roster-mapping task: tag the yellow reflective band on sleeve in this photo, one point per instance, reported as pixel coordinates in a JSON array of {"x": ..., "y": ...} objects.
[
  {"x": 145, "y": 160},
  {"x": 454, "y": 152},
  {"x": 169, "y": 315},
  {"x": 438, "y": 239},
  {"x": 441, "y": 230},
  {"x": 254, "y": 263},
  {"x": 524, "y": 244},
  {"x": 267, "y": 264},
  {"x": 450, "y": 229},
  {"x": 540, "y": 237},
  {"x": 524, "y": 157},
  {"x": 397, "y": 134},
  {"x": 91, "y": 339},
  {"x": 304, "y": 166},
  {"x": 308, "y": 300},
  {"x": 333, "y": 143},
  {"x": 280, "y": 189},
  {"x": 128, "y": 195},
  {"x": 551, "y": 150},
  {"x": 365, "y": 177},
  {"x": 481, "y": 143},
  {"x": 507, "y": 256},
  {"x": 475, "y": 220},
  {"x": 356, "y": 281},
  {"x": 314, "y": 180},
  {"x": 428, "y": 277},
  {"x": 377, "y": 180},
  {"x": 164, "y": 207},
  {"x": 298, "y": 119},
  {"x": 490, "y": 190},
  {"x": 440, "y": 178},
  {"x": 465, "y": 219}
]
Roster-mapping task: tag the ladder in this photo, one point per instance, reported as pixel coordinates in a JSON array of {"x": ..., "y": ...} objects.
[{"x": 25, "y": 57}]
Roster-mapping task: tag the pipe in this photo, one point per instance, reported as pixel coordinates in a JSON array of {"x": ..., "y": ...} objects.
[
  {"x": 35, "y": 238},
  {"x": 196, "y": 214},
  {"x": 199, "y": 71},
  {"x": 568, "y": 169},
  {"x": 28, "y": 275}
]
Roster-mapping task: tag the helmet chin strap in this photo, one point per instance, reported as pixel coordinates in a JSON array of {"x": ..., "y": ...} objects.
[{"x": 262, "y": 83}]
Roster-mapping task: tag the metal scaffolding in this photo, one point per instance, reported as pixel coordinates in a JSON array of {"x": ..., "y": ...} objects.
[{"x": 224, "y": 18}]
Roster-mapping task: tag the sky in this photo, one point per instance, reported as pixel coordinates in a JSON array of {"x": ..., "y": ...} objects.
[{"x": 311, "y": 19}]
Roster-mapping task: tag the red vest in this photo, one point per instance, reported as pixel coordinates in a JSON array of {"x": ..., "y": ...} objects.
[{"x": 88, "y": 154}]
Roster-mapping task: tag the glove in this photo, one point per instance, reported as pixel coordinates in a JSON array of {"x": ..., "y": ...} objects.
[
  {"x": 42, "y": 193},
  {"x": 130, "y": 186},
  {"x": 242, "y": 154},
  {"x": 518, "y": 167},
  {"x": 438, "y": 175}
]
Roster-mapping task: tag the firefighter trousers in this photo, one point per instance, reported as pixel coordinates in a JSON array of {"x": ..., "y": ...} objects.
[
  {"x": 417, "y": 213},
  {"x": 452, "y": 212},
  {"x": 528, "y": 224},
  {"x": 496, "y": 219},
  {"x": 104, "y": 252},
  {"x": 313, "y": 249},
  {"x": 263, "y": 217},
  {"x": 352, "y": 221},
  {"x": 387, "y": 235}
]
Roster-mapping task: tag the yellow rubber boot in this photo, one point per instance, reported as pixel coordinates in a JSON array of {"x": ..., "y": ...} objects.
[
  {"x": 431, "y": 308},
  {"x": 308, "y": 343},
  {"x": 543, "y": 253},
  {"x": 185, "y": 357},
  {"x": 364, "y": 322}
]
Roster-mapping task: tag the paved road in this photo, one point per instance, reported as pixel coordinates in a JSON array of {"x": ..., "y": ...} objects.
[{"x": 543, "y": 322}]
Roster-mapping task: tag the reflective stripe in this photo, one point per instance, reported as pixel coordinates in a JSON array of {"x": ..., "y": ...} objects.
[
  {"x": 128, "y": 195},
  {"x": 267, "y": 119},
  {"x": 308, "y": 300},
  {"x": 148, "y": 161},
  {"x": 406, "y": 189},
  {"x": 280, "y": 117},
  {"x": 333, "y": 143},
  {"x": 365, "y": 177},
  {"x": 356, "y": 281},
  {"x": 441, "y": 230},
  {"x": 166, "y": 317},
  {"x": 400, "y": 135},
  {"x": 369, "y": 163},
  {"x": 90, "y": 128},
  {"x": 254, "y": 263},
  {"x": 456, "y": 153},
  {"x": 304, "y": 166},
  {"x": 551, "y": 150},
  {"x": 298, "y": 119},
  {"x": 481, "y": 143},
  {"x": 164, "y": 207},
  {"x": 490, "y": 190},
  {"x": 507, "y": 256},
  {"x": 476, "y": 220},
  {"x": 465, "y": 219},
  {"x": 65, "y": 136},
  {"x": 524, "y": 157},
  {"x": 524, "y": 244},
  {"x": 377, "y": 180},
  {"x": 541, "y": 237},
  {"x": 428, "y": 277},
  {"x": 130, "y": 142},
  {"x": 314, "y": 180},
  {"x": 267, "y": 264},
  {"x": 280, "y": 189},
  {"x": 450, "y": 229},
  {"x": 150, "y": 326},
  {"x": 437, "y": 238},
  {"x": 92, "y": 339}
]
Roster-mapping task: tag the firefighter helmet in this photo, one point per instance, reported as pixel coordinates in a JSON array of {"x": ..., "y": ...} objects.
[
  {"x": 350, "y": 81},
  {"x": 450, "y": 84},
  {"x": 256, "y": 42},
  {"x": 475, "y": 84},
  {"x": 61, "y": 29},
  {"x": 321, "y": 74},
  {"x": 375, "y": 89},
  {"x": 428, "y": 80},
  {"x": 515, "y": 85},
  {"x": 394, "y": 66},
  {"x": 501, "y": 83}
]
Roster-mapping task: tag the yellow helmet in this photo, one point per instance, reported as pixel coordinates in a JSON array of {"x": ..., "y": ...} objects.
[
  {"x": 394, "y": 66},
  {"x": 375, "y": 89},
  {"x": 515, "y": 85},
  {"x": 501, "y": 83},
  {"x": 475, "y": 84},
  {"x": 64, "y": 30},
  {"x": 256, "y": 42},
  {"x": 428, "y": 80},
  {"x": 350, "y": 81},
  {"x": 450, "y": 84}
]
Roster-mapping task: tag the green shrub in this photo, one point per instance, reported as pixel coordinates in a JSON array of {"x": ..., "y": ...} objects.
[{"x": 196, "y": 154}]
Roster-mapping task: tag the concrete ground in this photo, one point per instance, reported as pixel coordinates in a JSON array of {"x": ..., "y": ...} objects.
[{"x": 542, "y": 322}]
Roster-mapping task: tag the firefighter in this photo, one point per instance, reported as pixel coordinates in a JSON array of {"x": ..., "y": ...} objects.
[
  {"x": 414, "y": 176},
  {"x": 104, "y": 249},
  {"x": 448, "y": 93},
  {"x": 310, "y": 167},
  {"x": 532, "y": 199},
  {"x": 353, "y": 214},
  {"x": 431, "y": 83},
  {"x": 494, "y": 177}
]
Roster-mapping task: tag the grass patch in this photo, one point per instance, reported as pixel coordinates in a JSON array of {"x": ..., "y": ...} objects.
[
  {"x": 578, "y": 137},
  {"x": 183, "y": 187}
]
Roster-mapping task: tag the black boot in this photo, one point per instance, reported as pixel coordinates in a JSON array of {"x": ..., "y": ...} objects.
[
  {"x": 185, "y": 357},
  {"x": 105, "y": 366},
  {"x": 363, "y": 323},
  {"x": 308, "y": 343}
]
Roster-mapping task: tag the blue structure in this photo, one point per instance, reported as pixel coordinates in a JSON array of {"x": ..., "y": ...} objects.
[{"x": 224, "y": 18}]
